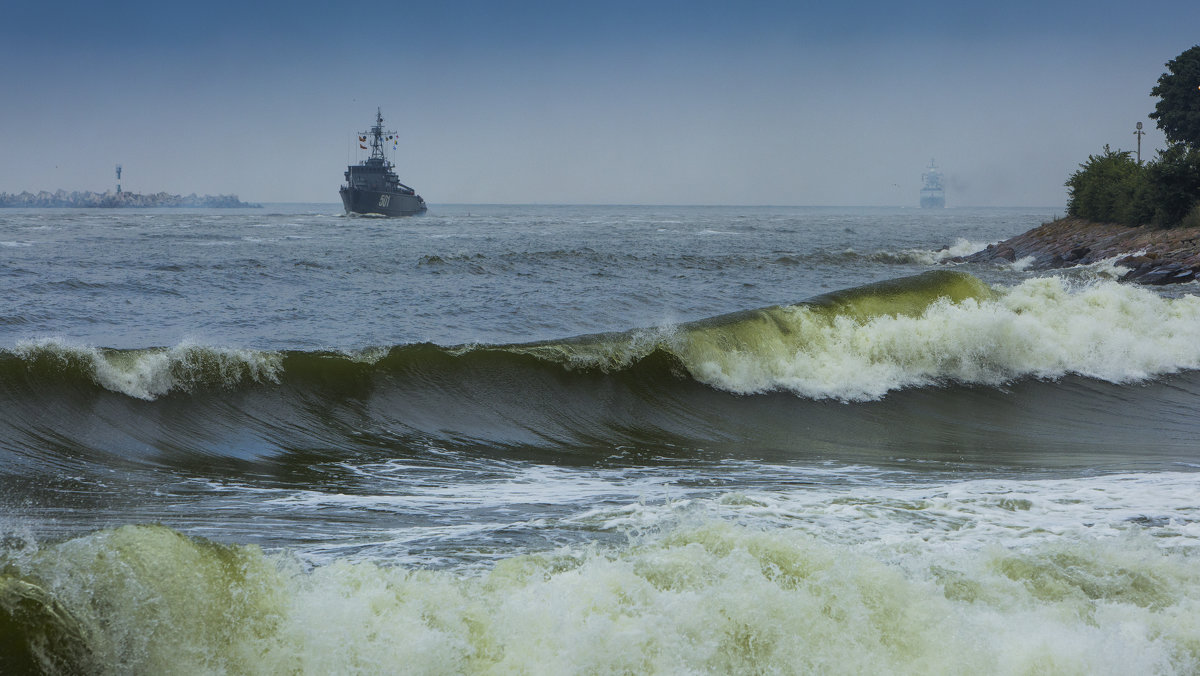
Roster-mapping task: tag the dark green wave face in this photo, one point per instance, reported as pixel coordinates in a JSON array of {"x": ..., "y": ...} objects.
[
  {"x": 909, "y": 296},
  {"x": 39, "y": 635},
  {"x": 134, "y": 599},
  {"x": 757, "y": 330}
]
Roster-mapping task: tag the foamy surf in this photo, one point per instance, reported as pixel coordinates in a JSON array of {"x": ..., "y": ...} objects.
[
  {"x": 960, "y": 247},
  {"x": 697, "y": 593}
]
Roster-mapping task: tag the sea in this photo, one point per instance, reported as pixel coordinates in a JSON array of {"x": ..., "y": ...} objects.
[{"x": 505, "y": 439}]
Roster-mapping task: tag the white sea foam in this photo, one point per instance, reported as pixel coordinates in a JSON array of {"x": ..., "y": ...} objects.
[
  {"x": 943, "y": 519},
  {"x": 1022, "y": 264},
  {"x": 369, "y": 355},
  {"x": 960, "y": 247},
  {"x": 1108, "y": 268},
  {"x": 1042, "y": 328},
  {"x": 1094, "y": 575},
  {"x": 422, "y": 489}
]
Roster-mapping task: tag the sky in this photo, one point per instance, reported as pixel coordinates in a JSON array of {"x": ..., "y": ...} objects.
[{"x": 742, "y": 103}]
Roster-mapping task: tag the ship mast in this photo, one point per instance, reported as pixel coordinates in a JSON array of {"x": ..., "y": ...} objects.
[{"x": 377, "y": 133}]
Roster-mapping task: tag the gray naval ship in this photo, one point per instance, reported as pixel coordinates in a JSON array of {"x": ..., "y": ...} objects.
[{"x": 371, "y": 185}]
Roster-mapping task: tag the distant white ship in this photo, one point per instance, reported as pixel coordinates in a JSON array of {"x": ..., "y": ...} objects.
[{"x": 933, "y": 195}]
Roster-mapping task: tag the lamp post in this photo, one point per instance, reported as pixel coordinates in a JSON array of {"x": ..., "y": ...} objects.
[{"x": 1139, "y": 134}]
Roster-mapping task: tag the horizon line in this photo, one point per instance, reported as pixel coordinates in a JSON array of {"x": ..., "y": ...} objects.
[{"x": 706, "y": 204}]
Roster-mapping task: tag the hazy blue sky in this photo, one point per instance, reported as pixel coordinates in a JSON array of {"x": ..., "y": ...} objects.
[{"x": 621, "y": 102}]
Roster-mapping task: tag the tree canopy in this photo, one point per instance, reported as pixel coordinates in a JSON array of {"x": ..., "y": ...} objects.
[
  {"x": 1178, "y": 109},
  {"x": 1108, "y": 188}
]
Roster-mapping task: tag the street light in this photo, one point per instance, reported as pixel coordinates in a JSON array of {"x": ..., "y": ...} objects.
[{"x": 1139, "y": 133}]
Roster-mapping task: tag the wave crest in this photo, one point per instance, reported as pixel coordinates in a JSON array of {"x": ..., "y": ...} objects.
[
  {"x": 1041, "y": 328},
  {"x": 154, "y": 372},
  {"x": 858, "y": 344}
]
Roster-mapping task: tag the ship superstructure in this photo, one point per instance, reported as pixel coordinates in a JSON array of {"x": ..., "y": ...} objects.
[
  {"x": 933, "y": 195},
  {"x": 371, "y": 185}
]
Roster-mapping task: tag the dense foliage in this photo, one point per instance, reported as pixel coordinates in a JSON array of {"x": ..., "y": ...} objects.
[
  {"x": 1114, "y": 188},
  {"x": 1174, "y": 183},
  {"x": 1178, "y": 109},
  {"x": 1109, "y": 187}
]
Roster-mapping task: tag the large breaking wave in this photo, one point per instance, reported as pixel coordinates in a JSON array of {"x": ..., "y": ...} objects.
[
  {"x": 915, "y": 351},
  {"x": 855, "y": 345}
]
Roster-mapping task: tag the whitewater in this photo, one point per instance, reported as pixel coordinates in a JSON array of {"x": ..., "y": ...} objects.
[{"x": 588, "y": 439}]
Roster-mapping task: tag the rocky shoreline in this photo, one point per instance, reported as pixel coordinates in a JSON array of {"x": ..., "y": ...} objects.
[
  {"x": 117, "y": 200},
  {"x": 1152, "y": 255}
]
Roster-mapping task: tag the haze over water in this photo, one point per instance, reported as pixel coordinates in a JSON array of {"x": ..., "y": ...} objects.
[
  {"x": 523, "y": 439},
  {"x": 615, "y": 103}
]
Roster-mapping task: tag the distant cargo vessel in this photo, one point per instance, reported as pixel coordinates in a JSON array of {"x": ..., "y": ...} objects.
[
  {"x": 933, "y": 196},
  {"x": 371, "y": 186}
]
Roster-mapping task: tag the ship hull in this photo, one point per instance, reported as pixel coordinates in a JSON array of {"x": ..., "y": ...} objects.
[
  {"x": 932, "y": 199},
  {"x": 361, "y": 201}
]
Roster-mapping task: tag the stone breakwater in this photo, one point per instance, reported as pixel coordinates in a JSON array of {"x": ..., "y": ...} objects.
[
  {"x": 88, "y": 199},
  {"x": 1152, "y": 255}
]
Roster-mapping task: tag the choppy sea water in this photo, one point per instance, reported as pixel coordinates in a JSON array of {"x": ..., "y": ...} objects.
[{"x": 556, "y": 439}]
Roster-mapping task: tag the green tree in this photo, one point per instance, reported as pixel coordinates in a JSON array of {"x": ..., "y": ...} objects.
[
  {"x": 1109, "y": 188},
  {"x": 1177, "y": 112},
  {"x": 1173, "y": 181}
]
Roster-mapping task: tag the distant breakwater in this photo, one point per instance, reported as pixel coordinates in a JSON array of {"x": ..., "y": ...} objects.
[
  {"x": 113, "y": 200},
  {"x": 1152, "y": 255}
]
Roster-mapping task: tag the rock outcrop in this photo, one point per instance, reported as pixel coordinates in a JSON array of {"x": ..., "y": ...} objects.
[{"x": 1153, "y": 255}]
